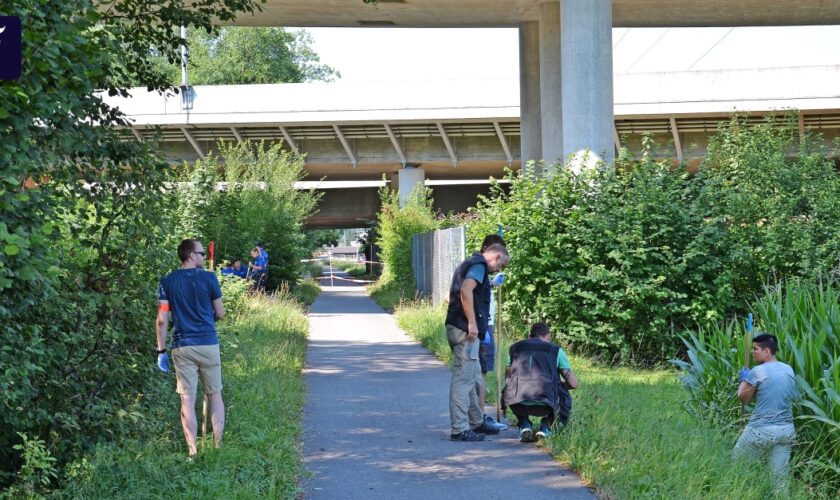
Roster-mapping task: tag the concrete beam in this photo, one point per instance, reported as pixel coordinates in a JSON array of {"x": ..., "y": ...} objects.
[
  {"x": 193, "y": 143},
  {"x": 551, "y": 94},
  {"x": 289, "y": 139},
  {"x": 395, "y": 143},
  {"x": 504, "y": 142},
  {"x": 137, "y": 134},
  {"x": 448, "y": 144},
  {"x": 529, "y": 93},
  {"x": 676, "y": 134},
  {"x": 236, "y": 134},
  {"x": 346, "y": 145}
]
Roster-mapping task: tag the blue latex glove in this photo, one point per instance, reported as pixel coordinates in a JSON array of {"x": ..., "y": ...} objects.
[
  {"x": 742, "y": 375},
  {"x": 163, "y": 362},
  {"x": 498, "y": 279}
]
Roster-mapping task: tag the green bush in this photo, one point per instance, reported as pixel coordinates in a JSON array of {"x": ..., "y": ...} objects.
[
  {"x": 396, "y": 227},
  {"x": 619, "y": 260},
  {"x": 806, "y": 318},
  {"x": 259, "y": 202},
  {"x": 235, "y": 296}
]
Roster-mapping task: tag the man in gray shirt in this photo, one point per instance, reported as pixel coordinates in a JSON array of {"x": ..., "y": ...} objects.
[{"x": 770, "y": 430}]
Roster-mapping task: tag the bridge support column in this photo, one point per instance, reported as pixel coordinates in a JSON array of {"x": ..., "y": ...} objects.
[
  {"x": 408, "y": 179},
  {"x": 550, "y": 83},
  {"x": 575, "y": 81},
  {"x": 587, "y": 72},
  {"x": 529, "y": 95}
]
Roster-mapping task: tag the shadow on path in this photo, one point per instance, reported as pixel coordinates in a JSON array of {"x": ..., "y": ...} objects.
[{"x": 376, "y": 419}]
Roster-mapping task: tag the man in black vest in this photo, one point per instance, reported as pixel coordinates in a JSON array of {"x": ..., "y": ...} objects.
[
  {"x": 466, "y": 324},
  {"x": 537, "y": 383}
]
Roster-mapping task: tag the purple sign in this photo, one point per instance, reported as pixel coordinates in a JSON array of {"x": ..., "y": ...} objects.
[{"x": 10, "y": 48}]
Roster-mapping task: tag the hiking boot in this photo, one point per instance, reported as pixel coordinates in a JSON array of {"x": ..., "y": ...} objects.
[
  {"x": 484, "y": 428},
  {"x": 466, "y": 436},
  {"x": 491, "y": 422},
  {"x": 544, "y": 432},
  {"x": 526, "y": 434}
]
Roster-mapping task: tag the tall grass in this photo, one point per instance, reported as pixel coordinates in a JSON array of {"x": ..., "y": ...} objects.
[
  {"x": 353, "y": 268},
  {"x": 629, "y": 435},
  {"x": 262, "y": 357},
  {"x": 806, "y": 319}
]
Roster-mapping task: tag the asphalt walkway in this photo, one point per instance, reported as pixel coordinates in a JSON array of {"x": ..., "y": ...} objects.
[{"x": 376, "y": 418}]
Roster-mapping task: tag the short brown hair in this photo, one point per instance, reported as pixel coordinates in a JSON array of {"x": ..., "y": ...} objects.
[{"x": 186, "y": 248}]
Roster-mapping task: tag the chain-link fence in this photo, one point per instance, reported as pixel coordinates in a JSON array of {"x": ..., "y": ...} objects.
[{"x": 434, "y": 257}]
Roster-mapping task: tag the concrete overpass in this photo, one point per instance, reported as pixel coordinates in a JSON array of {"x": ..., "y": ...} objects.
[
  {"x": 459, "y": 130},
  {"x": 565, "y": 48}
]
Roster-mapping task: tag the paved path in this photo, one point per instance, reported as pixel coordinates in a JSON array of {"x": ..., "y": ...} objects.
[{"x": 376, "y": 419}]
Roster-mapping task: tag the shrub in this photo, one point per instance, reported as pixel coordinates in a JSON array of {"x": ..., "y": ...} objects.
[
  {"x": 396, "y": 227},
  {"x": 806, "y": 318},
  {"x": 245, "y": 193},
  {"x": 619, "y": 260}
]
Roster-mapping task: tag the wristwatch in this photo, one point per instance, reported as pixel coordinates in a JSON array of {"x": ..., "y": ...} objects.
[{"x": 161, "y": 351}]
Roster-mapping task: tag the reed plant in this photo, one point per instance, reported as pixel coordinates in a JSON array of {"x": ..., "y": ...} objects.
[{"x": 805, "y": 316}]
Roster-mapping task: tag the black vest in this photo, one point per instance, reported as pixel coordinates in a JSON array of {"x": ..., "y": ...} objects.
[
  {"x": 533, "y": 374},
  {"x": 481, "y": 297}
]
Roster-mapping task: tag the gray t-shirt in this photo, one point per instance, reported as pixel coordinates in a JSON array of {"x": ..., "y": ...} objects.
[{"x": 775, "y": 391}]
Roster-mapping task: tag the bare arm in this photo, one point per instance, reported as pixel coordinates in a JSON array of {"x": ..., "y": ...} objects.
[
  {"x": 469, "y": 308},
  {"x": 746, "y": 391},
  {"x": 218, "y": 309},
  {"x": 162, "y": 324},
  {"x": 571, "y": 380}
]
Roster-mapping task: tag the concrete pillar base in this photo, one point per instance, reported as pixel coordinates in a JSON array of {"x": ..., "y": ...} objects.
[{"x": 409, "y": 178}]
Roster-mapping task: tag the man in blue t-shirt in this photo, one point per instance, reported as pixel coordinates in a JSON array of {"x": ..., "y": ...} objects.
[
  {"x": 259, "y": 268},
  {"x": 537, "y": 383},
  {"x": 770, "y": 430},
  {"x": 194, "y": 299},
  {"x": 235, "y": 269}
]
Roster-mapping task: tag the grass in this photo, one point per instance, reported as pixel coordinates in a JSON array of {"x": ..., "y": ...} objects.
[
  {"x": 313, "y": 269},
  {"x": 262, "y": 357},
  {"x": 389, "y": 294},
  {"x": 629, "y": 435},
  {"x": 306, "y": 291},
  {"x": 353, "y": 267}
]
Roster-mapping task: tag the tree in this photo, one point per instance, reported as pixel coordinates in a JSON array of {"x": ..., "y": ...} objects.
[
  {"x": 244, "y": 55},
  {"x": 82, "y": 222}
]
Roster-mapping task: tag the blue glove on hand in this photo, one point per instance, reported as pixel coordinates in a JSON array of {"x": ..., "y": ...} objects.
[
  {"x": 163, "y": 362},
  {"x": 498, "y": 279},
  {"x": 742, "y": 375}
]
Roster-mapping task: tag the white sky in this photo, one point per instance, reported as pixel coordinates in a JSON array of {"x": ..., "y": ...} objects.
[{"x": 399, "y": 54}]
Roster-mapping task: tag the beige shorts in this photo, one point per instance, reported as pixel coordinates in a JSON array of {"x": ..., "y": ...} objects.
[{"x": 194, "y": 361}]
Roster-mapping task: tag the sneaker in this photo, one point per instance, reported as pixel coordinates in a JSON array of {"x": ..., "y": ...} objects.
[
  {"x": 491, "y": 422},
  {"x": 485, "y": 428},
  {"x": 466, "y": 436},
  {"x": 526, "y": 434},
  {"x": 544, "y": 431}
]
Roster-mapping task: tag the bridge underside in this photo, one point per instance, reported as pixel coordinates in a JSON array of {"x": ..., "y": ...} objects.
[
  {"x": 500, "y": 13},
  {"x": 347, "y": 208}
]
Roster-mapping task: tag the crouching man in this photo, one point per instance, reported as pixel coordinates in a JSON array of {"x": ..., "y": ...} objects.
[
  {"x": 537, "y": 383},
  {"x": 770, "y": 432}
]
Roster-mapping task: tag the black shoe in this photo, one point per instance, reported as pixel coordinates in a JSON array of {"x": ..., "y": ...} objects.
[
  {"x": 484, "y": 428},
  {"x": 466, "y": 436}
]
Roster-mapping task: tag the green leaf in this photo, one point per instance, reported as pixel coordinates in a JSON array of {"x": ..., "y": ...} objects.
[{"x": 11, "y": 250}]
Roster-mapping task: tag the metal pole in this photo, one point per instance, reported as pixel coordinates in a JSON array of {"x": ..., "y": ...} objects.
[
  {"x": 499, "y": 357},
  {"x": 332, "y": 283}
]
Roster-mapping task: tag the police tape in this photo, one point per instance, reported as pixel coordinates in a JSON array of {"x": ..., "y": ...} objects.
[
  {"x": 354, "y": 261},
  {"x": 342, "y": 278}
]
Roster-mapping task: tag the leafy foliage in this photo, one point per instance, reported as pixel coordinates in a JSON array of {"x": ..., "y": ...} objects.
[
  {"x": 259, "y": 202},
  {"x": 244, "y": 55},
  {"x": 82, "y": 222},
  {"x": 620, "y": 260},
  {"x": 396, "y": 226},
  {"x": 806, "y": 318}
]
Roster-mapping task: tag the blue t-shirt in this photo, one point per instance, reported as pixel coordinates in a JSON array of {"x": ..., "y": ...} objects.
[
  {"x": 476, "y": 272},
  {"x": 775, "y": 390},
  {"x": 242, "y": 272},
  {"x": 190, "y": 293},
  {"x": 262, "y": 261}
]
